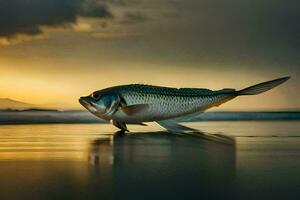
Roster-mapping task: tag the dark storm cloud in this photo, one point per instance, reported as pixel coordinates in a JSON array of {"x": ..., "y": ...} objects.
[
  {"x": 26, "y": 16},
  {"x": 265, "y": 31},
  {"x": 93, "y": 8}
]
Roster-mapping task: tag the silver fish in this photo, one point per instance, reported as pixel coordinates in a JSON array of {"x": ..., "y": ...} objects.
[{"x": 136, "y": 104}]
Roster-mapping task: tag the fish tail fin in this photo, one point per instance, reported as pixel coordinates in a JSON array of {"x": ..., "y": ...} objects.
[{"x": 262, "y": 87}]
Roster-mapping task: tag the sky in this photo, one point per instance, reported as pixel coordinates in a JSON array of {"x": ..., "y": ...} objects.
[{"x": 54, "y": 51}]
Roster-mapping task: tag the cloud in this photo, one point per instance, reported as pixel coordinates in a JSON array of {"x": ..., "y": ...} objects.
[
  {"x": 133, "y": 18},
  {"x": 24, "y": 18},
  {"x": 94, "y": 8},
  {"x": 21, "y": 38},
  {"x": 257, "y": 32},
  {"x": 115, "y": 34}
]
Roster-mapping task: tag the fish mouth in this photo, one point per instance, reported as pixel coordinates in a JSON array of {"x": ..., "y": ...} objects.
[
  {"x": 85, "y": 103},
  {"x": 89, "y": 105}
]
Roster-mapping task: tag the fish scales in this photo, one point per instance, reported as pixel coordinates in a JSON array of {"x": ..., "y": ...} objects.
[{"x": 167, "y": 102}]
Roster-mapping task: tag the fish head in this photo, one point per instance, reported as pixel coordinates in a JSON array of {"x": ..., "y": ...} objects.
[{"x": 103, "y": 105}]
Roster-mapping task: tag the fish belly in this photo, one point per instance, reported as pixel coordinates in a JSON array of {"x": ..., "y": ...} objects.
[{"x": 166, "y": 107}]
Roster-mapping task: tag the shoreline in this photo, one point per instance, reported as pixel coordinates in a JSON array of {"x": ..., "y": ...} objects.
[{"x": 84, "y": 117}]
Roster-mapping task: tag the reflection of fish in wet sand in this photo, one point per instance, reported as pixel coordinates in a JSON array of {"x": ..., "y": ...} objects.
[
  {"x": 135, "y": 104},
  {"x": 164, "y": 162}
]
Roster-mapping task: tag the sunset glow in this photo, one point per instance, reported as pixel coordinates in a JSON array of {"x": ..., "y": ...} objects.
[{"x": 57, "y": 62}]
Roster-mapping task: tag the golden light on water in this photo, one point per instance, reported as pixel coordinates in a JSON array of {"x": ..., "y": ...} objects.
[{"x": 51, "y": 142}]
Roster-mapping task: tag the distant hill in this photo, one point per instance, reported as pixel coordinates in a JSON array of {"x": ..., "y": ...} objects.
[{"x": 10, "y": 104}]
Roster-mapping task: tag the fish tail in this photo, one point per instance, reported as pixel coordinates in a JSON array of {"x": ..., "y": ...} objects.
[{"x": 262, "y": 87}]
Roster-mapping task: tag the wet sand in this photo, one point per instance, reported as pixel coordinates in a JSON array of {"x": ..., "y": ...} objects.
[{"x": 92, "y": 161}]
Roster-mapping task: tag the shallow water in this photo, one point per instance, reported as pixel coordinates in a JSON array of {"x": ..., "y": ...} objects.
[{"x": 92, "y": 161}]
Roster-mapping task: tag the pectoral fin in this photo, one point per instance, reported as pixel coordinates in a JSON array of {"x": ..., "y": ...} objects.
[
  {"x": 120, "y": 125},
  {"x": 172, "y": 126},
  {"x": 133, "y": 109}
]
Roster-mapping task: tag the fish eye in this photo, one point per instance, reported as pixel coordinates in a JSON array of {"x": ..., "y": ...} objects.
[{"x": 96, "y": 96}]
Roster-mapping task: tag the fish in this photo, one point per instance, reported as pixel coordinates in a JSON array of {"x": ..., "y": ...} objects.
[{"x": 139, "y": 104}]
